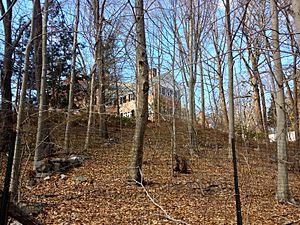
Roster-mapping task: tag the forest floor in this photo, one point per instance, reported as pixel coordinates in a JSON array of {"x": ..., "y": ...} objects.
[{"x": 98, "y": 191}]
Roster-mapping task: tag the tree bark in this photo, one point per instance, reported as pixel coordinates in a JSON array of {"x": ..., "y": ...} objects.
[
  {"x": 38, "y": 45},
  {"x": 283, "y": 192},
  {"x": 230, "y": 81},
  {"x": 142, "y": 84},
  {"x": 174, "y": 102},
  {"x": 220, "y": 79},
  {"x": 21, "y": 112},
  {"x": 72, "y": 80},
  {"x": 192, "y": 82},
  {"x": 296, "y": 7},
  {"x": 91, "y": 110},
  {"x": 41, "y": 134},
  {"x": 203, "y": 116},
  {"x": 15, "y": 212},
  {"x": 232, "y": 149},
  {"x": 256, "y": 92},
  {"x": 100, "y": 67},
  {"x": 6, "y": 104}
]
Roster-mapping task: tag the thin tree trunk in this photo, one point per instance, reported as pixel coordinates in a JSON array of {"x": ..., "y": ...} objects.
[
  {"x": 100, "y": 69},
  {"x": 158, "y": 77},
  {"x": 283, "y": 192},
  {"x": 295, "y": 106},
  {"x": 263, "y": 106},
  {"x": 21, "y": 114},
  {"x": 6, "y": 93},
  {"x": 38, "y": 55},
  {"x": 40, "y": 137},
  {"x": 203, "y": 116},
  {"x": 191, "y": 83},
  {"x": 296, "y": 7},
  {"x": 256, "y": 93},
  {"x": 174, "y": 101},
  {"x": 230, "y": 81},
  {"x": 268, "y": 59},
  {"x": 232, "y": 149},
  {"x": 72, "y": 80},
  {"x": 91, "y": 107},
  {"x": 142, "y": 84},
  {"x": 220, "y": 82}
]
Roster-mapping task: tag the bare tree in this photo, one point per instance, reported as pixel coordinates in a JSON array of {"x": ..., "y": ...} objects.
[
  {"x": 38, "y": 56},
  {"x": 40, "y": 137},
  {"x": 230, "y": 79},
  {"x": 203, "y": 115},
  {"x": 192, "y": 77},
  {"x": 296, "y": 7},
  {"x": 142, "y": 89},
  {"x": 91, "y": 110},
  {"x": 72, "y": 80},
  {"x": 100, "y": 67},
  {"x": 232, "y": 141},
  {"x": 6, "y": 74},
  {"x": 283, "y": 192},
  {"x": 219, "y": 71},
  {"x": 21, "y": 112}
]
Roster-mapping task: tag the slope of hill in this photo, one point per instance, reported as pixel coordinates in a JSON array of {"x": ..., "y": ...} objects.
[{"x": 98, "y": 192}]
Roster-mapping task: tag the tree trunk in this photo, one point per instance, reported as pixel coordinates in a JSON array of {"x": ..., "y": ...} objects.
[
  {"x": 296, "y": 106},
  {"x": 256, "y": 92},
  {"x": 192, "y": 81},
  {"x": 174, "y": 101},
  {"x": 7, "y": 132},
  {"x": 264, "y": 108},
  {"x": 21, "y": 114},
  {"x": 230, "y": 81},
  {"x": 232, "y": 149},
  {"x": 91, "y": 110},
  {"x": 220, "y": 80},
  {"x": 203, "y": 116},
  {"x": 283, "y": 192},
  {"x": 38, "y": 56},
  {"x": 100, "y": 69},
  {"x": 142, "y": 84},
  {"x": 296, "y": 7},
  {"x": 72, "y": 80},
  {"x": 41, "y": 134}
]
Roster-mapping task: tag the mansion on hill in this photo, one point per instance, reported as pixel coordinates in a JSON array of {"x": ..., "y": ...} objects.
[{"x": 160, "y": 98}]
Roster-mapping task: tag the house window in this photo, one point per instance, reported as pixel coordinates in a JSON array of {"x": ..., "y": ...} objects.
[
  {"x": 131, "y": 97},
  {"x": 123, "y": 99},
  {"x": 162, "y": 90}
]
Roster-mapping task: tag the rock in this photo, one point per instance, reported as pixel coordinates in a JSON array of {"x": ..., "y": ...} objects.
[
  {"x": 63, "y": 177},
  {"x": 43, "y": 175},
  {"x": 79, "y": 179},
  {"x": 77, "y": 159},
  {"x": 32, "y": 208},
  {"x": 106, "y": 144},
  {"x": 47, "y": 178},
  {"x": 15, "y": 223}
]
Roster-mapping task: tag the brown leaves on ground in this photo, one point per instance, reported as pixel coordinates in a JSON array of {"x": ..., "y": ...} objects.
[{"x": 204, "y": 196}]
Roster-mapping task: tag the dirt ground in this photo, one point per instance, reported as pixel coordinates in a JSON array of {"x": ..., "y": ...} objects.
[{"x": 103, "y": 194}]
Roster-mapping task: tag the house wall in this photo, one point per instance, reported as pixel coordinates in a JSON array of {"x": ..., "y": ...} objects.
[{"x": 164, "y": 91}]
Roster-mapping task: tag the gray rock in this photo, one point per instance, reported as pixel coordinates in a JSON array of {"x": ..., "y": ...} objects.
[
  {"x": 63, "y": 177},
  {"x": 79, "y": 179}
]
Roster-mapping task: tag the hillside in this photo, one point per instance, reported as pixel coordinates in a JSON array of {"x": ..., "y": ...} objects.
[{"x": 98, "y": 191}]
